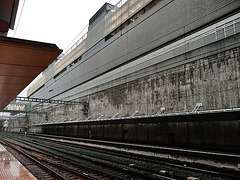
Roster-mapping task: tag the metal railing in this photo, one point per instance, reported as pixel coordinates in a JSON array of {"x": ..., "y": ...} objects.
[{"x": 89, "y": 119}]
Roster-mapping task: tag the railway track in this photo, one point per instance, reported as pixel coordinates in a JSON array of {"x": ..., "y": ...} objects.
[
  {"x": 117, "y": 165},
  {"x": 223, "y": 171},
  {"x": 66, "y": 168},
  {"x": 39, "y": 170}
]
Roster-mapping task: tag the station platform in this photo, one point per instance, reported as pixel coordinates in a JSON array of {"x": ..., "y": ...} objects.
[{"x": 11, "y": 168}]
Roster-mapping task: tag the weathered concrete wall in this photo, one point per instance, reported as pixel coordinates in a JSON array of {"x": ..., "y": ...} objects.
[
  {"x": 214, "y": 81},
  {"x": 61, "y": 113},
  {"x": 17, "y": 124}
]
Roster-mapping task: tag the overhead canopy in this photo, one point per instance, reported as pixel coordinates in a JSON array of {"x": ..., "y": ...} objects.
[
  {"x": 8, "y": 11},
  {"x": 20, "y": 62}
]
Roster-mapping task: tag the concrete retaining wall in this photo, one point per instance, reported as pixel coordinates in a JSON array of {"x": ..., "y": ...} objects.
[{"x": 213, "y": 80}]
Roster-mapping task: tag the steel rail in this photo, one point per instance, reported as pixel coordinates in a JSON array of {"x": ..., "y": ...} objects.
[{"x": 51, "y": 172}]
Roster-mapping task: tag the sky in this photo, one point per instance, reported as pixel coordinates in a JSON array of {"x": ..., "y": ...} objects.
[{"x": 54, "y": 21}]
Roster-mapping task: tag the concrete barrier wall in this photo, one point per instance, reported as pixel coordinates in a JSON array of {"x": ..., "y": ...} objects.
[
  {"x": 213, "y": 130},
  {"x": 212, "y": 80}
]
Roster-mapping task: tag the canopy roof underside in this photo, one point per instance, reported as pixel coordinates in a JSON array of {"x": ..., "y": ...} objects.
[{"x": 20, "y": 62}]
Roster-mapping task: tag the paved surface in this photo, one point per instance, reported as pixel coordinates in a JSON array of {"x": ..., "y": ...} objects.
[{"x": 11, "y": 168}]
